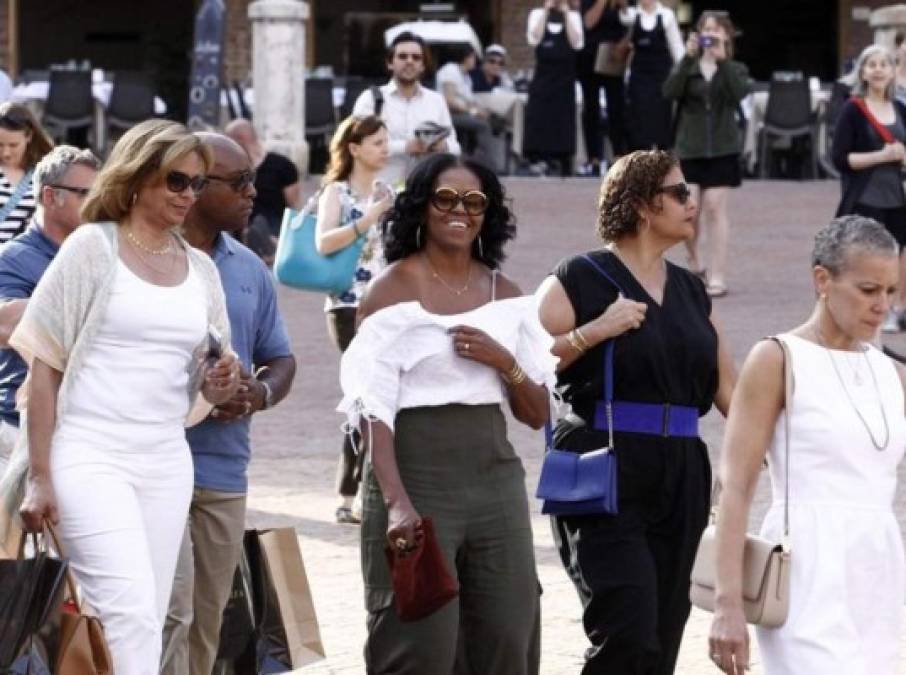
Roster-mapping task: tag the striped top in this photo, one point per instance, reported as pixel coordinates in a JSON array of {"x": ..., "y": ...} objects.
[{"x": 17, "y": 220}]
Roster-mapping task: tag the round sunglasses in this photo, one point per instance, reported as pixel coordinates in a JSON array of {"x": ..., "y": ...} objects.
[
  {"x": 474, "y": 202},
  {"x": 177, "y": 181}
]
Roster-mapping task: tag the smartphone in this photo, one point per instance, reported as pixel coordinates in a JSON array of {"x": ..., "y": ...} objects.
[
  {"x": 706, "y": 41},
  {"x": 215, "y": 345}
]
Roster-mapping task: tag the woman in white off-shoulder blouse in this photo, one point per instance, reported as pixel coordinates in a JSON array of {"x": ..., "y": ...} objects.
[{"x": 444, "y": 340}]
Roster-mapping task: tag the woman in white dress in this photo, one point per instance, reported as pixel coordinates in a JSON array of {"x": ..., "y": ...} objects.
[
  {"x": 847, "y": 435},
  {"x": 444, "y": 341}
]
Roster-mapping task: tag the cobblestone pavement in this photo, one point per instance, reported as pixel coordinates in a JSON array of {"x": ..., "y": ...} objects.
[{"x": 295, "y": 446}]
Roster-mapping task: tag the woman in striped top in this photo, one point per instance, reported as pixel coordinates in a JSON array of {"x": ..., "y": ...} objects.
[{"x": 22, "y": 144}]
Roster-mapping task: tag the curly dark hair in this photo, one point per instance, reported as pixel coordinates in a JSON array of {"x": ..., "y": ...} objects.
[
  {"x": 400, "y": 224},
  {"x": 633, "y": 181}
]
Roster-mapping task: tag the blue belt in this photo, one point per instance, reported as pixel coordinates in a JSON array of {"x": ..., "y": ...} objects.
[{"x": 657, "y": 419}]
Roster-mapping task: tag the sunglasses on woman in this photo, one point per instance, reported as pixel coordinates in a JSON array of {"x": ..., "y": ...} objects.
[
  {"x": 238, "y": 182},
  {"x": 14, "y": 121},
  {"x": 177, "y": 181},
  {"x": 474, "y": 202},
  {"x": 679, "y": 191}
]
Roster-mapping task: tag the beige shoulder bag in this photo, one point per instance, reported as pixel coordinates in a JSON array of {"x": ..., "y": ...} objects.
[{"x": 765, "y": 564}]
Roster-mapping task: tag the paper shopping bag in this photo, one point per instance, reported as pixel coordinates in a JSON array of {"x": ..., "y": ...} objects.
[{"x": 288, "y": 635}]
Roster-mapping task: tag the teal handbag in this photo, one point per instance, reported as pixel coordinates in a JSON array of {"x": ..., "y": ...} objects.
[{"x": 297, "y": 262}]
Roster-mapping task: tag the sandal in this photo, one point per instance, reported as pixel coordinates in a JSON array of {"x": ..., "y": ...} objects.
[
  {"x": 345, "y": 516},
  {"x": 716, "y": 290}
]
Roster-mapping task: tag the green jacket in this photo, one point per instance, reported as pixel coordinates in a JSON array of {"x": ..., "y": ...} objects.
[{"x": 707, "y": 110}]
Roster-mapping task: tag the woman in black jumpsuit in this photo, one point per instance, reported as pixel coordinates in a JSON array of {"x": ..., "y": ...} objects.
[
  {"x": 550, "y": 115},
  {"x": 631, "y": 569},
  {"x": 650, "y": 114}
]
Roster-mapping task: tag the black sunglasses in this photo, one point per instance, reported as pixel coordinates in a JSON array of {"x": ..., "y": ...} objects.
[
  {"x": 494, "y": 62},
  {"x": 239, "y": 182},
  {"x": 679, "y": 191},
  {"x": 474, "y": 202},
  {"x": 81, "y": 192},
  {"x": 14, "y": 121},
  {"x": 177, "y": 181}
]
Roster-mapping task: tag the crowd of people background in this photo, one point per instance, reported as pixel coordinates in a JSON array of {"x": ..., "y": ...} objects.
[{"x": 147, "y": 405}]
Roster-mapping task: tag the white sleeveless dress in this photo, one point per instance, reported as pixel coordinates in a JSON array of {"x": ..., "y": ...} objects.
[{"x": 847, "y": 583}]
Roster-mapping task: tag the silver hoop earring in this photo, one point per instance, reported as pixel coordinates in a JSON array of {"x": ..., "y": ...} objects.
[
  {"x": 480, "y": 248},
  {"x": 418, "y": 237}
]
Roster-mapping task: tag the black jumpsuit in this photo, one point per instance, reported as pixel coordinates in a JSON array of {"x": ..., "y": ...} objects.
[
  {"x": 632, "y": 569},
  {"x": 650, "y": 114}
]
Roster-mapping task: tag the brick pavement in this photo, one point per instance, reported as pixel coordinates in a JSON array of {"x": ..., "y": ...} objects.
[{"x": 292, "y": 472}]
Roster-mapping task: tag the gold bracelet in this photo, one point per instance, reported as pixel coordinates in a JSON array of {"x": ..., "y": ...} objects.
[
  {"x": 581, "y": 338},
  {"x": 515, "y": 375},
  {"x": 574, "y": 342}
]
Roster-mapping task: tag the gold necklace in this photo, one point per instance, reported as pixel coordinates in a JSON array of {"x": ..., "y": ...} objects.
[
  {"x": 168, "y": 248},
  {"x": 454, "y": 291},
  {"x": 880, "y": 447}
]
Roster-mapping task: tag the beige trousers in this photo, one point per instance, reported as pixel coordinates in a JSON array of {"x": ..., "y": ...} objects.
[{"x": 210, "y": 551}]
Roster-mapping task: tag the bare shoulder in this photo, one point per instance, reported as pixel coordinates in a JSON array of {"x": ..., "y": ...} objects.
[
  {"x": 762, "y": 372},
  {"x": 506, "y": 287},
  {"x": 395, "y": 284}
]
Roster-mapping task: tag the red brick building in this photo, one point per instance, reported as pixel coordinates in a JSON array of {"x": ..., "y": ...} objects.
[{"x": 816, "y": 36}]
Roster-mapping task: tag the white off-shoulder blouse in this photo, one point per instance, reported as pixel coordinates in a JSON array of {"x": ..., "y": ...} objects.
[{"x": 402, "y": 357}]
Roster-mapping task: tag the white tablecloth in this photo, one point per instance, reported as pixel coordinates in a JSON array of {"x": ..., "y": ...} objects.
[{"x": 38, "y": 90}]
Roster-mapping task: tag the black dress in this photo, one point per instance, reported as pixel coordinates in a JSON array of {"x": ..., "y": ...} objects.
[
  {"x": 631, "y": 570},
  {"x": 650, "y": 114},
  {"x": 550, "y": 115}
]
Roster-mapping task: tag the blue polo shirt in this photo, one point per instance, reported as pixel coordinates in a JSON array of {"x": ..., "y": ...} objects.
[
  {"x": 23, "y": 260},
  {"x": 221, "y": 450}
]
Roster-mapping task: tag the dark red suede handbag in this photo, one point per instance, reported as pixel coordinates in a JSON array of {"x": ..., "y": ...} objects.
[{"x": 421, "y": 582}]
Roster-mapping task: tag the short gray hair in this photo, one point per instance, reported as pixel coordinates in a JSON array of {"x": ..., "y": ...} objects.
[
  {"x": 54, "y": 165},
  {"x": 854, "y": 79},
  {"x": 849, "y": 234}
]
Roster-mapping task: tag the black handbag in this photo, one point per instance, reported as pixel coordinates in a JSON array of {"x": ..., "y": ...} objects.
[{"x": 583, "y": 483}]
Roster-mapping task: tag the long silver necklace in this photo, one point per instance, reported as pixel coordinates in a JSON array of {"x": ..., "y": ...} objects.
[{"x": 880, "y": 447}]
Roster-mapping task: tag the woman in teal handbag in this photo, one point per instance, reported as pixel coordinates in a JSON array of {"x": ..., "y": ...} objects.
[{"x": 350, "y": 204}]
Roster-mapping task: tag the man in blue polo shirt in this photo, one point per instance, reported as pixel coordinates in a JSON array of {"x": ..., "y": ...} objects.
[
  {"x": 220, "y": 445},
  {"x": 61, "y": 181}
]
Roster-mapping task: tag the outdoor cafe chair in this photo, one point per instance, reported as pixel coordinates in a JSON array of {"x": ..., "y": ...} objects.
[
  {"x": 131, "y": 101},
  {"x": 320, "y": 116},
  {"x": 70, "y": 103},
  {"x": 788, "y": 116}
]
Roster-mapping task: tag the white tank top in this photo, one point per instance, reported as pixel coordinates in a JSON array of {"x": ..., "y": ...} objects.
[{"x": 132, "y": 391}]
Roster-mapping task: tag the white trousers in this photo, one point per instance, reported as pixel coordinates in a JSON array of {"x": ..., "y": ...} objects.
[{"x": 122, "y": 518}]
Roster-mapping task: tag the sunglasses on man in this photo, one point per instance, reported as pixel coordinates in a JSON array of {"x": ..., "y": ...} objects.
[
  {"x": 177, "y": 181},
  {"x": 238, "y": 182}
]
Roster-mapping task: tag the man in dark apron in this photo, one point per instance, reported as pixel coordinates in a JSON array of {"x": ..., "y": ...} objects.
[
  {"x": 650, "y": 113},
  {"x": 550, "y": 116}
]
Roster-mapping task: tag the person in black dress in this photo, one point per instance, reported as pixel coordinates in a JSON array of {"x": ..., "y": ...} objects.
[
  {"x": 601, "y": 20},
  {"x": 631, "y": 569},
  {"x": 555, "y": 31},
  {"x": 656, "y": 46}
]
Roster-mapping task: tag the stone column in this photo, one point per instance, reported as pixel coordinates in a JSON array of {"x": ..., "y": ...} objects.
[
  {"x": 886, "y": 22},
  {"x": 278, "y": 76}
]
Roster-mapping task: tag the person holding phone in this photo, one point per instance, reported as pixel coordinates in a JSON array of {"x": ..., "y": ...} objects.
[
  {"x": 869, "y": 152},
  {"x": 116, "y": 337},
  {"x": 708, "y": 85},
  {"x": 350, "y": 206}
]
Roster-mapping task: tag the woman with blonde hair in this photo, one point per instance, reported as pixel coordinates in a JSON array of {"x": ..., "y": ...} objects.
[
  {"x": 350, "y": 205},
  {"x": 126, "y": 339},
  {"x": 23, "y": 142}
]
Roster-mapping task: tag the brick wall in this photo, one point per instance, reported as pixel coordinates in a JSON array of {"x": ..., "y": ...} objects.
[
  {"x": 856, "y": 34},
  {"x": 4, "y": 34},
  {"x": 238, "y": 41}
]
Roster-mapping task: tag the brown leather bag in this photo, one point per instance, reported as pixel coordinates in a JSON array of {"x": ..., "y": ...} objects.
[
  {"x": 766, "y": 565},
  {"x": 82, "y": 648}
]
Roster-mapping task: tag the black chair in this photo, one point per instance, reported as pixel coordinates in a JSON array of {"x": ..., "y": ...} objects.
[
  {"x": 355, "y": 85},
  {"x": 828, "y": 117},
  {"x": 69, "y": 105},
  {"x": 789, "y": 117},
  {"x": 131, "y": 101},
  {"x": 320, "y": 119}
]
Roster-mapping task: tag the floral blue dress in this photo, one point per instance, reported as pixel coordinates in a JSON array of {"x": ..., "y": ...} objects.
[{"x": 371, "y": 260}]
